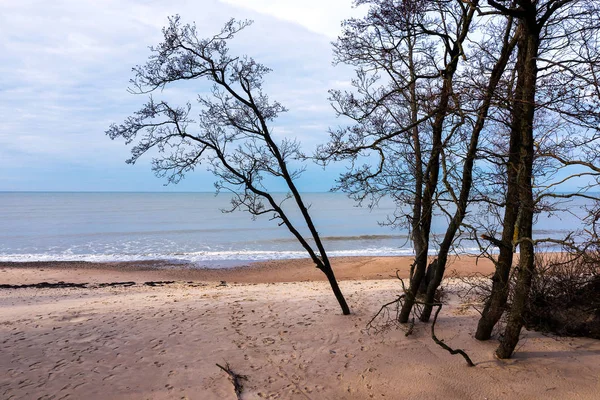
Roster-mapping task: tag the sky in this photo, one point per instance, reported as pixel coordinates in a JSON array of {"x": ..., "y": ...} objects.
[{"x": 65, "y": 67}]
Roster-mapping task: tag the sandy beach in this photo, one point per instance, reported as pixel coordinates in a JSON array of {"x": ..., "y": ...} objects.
[{"x": 275, "y": 322}]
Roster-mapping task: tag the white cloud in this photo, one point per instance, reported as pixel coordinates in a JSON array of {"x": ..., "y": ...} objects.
[
  {"x": 323, "y": 17},
  {"x": 66, "y": 65}
]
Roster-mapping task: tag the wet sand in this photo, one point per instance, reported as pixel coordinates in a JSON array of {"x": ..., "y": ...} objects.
[{"x": 298, "y": 270}]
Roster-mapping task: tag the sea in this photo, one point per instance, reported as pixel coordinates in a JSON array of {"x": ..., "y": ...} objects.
[{"x": 192, "y": 228}]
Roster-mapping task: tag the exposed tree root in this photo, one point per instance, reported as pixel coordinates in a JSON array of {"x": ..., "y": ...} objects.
[
  {"x": 390, "y": 313},
  {"x": 441, "y": 342}
]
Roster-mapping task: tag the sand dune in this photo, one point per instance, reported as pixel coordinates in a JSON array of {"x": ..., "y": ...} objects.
[{"x": 289, "y": 339}]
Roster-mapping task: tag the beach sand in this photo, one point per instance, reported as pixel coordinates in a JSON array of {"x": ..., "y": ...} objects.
[
  {"x": 298, "y": 270},
  {"x": 279, "y": 325}
]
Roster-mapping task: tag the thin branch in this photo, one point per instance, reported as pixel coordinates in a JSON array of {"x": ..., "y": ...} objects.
[{"x": 236, "y": 380}]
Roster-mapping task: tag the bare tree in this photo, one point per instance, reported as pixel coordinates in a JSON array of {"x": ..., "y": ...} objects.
[
  {"x": 556, "y": 69},
  {"x": 231, "y": 134},
  {"x": 407, "y": 55},
  {"x": 487, "y": 88},
  {"x": 536, "y": 108}
]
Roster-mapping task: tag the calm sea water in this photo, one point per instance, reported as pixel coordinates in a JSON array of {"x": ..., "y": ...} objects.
[{"x": 190, "y": 227}]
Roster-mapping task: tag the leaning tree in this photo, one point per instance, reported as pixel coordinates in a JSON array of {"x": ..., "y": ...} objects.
[{"x": 231, "y": 134}]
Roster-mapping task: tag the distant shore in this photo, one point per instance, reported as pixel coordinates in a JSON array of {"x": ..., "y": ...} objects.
[{"x": 296, "y": 270}]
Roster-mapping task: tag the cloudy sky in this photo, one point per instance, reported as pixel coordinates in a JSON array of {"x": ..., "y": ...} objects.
[{"x": 66, "y": 66}]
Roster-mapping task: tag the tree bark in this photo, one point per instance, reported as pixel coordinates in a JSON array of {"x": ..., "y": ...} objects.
[
  {"x": 529, "y": 52},
  {"x": 467, "y": 175},
  {"x": 433, "y": 165},
  {"x": 328, "y": 271},
  {"x": 496, "y": 303},
  {"x": 431, "y": 181}
]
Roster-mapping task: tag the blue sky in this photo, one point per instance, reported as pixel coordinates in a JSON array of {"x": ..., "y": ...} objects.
[{"x": 66, "y": 66}]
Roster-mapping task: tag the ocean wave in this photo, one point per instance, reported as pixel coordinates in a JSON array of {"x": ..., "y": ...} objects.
[
  {"x": 212, "y": 256},
  {"x": 365, "y": 237},
  {"x": 340, "y": 238},
  {"x": 197, "y": 257}
]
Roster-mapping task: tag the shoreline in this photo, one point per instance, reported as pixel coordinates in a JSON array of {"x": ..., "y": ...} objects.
[{"x": 273, "y": 271}]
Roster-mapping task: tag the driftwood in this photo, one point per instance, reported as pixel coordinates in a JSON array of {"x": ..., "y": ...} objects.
[
  {"x": 236, "y": 379},
  {"x": 63, "y": 285},
  {"x": 46, "y": 285},
  {"x": 383, "y": 310},
  {"x": 113, "y": 284},
  {"x": 158, "y": 283}
]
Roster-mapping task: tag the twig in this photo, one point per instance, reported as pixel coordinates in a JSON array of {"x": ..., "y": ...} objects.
[
  {"x": 236, "y": 380},
  {"x": 383, "y": 309}
]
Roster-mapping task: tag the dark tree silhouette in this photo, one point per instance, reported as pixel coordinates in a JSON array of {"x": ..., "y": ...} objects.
[
  {"x": 231, "y": 133},
  {"x": 553, "y": 125},
  {"x": 431, "y": 97},
  {"x": 407, "y": 111},
  {"x": 491, "y": 78}
]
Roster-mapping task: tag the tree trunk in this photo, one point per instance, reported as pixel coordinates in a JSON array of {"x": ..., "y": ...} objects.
[
  {"x": 529, "y": 52},
  {"x": 467, "y": 175},
  {"x": 433, "y": 285},
  {"x": 428, "y": 278},
  {"x": 432, "y": 171},
  {"x": 415, "y": 282},
  {"x": 328, "y": 271},
  {"x": 496, "y": 303},
  {"x": 431, "y": 181},
  {"x": 517, "y": 308}
]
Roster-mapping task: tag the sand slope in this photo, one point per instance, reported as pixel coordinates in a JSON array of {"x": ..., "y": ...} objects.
[{"x": 289, "y": 339}]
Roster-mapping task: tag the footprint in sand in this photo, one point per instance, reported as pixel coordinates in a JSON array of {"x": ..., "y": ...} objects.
[{"x": 332, "y": 338}]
